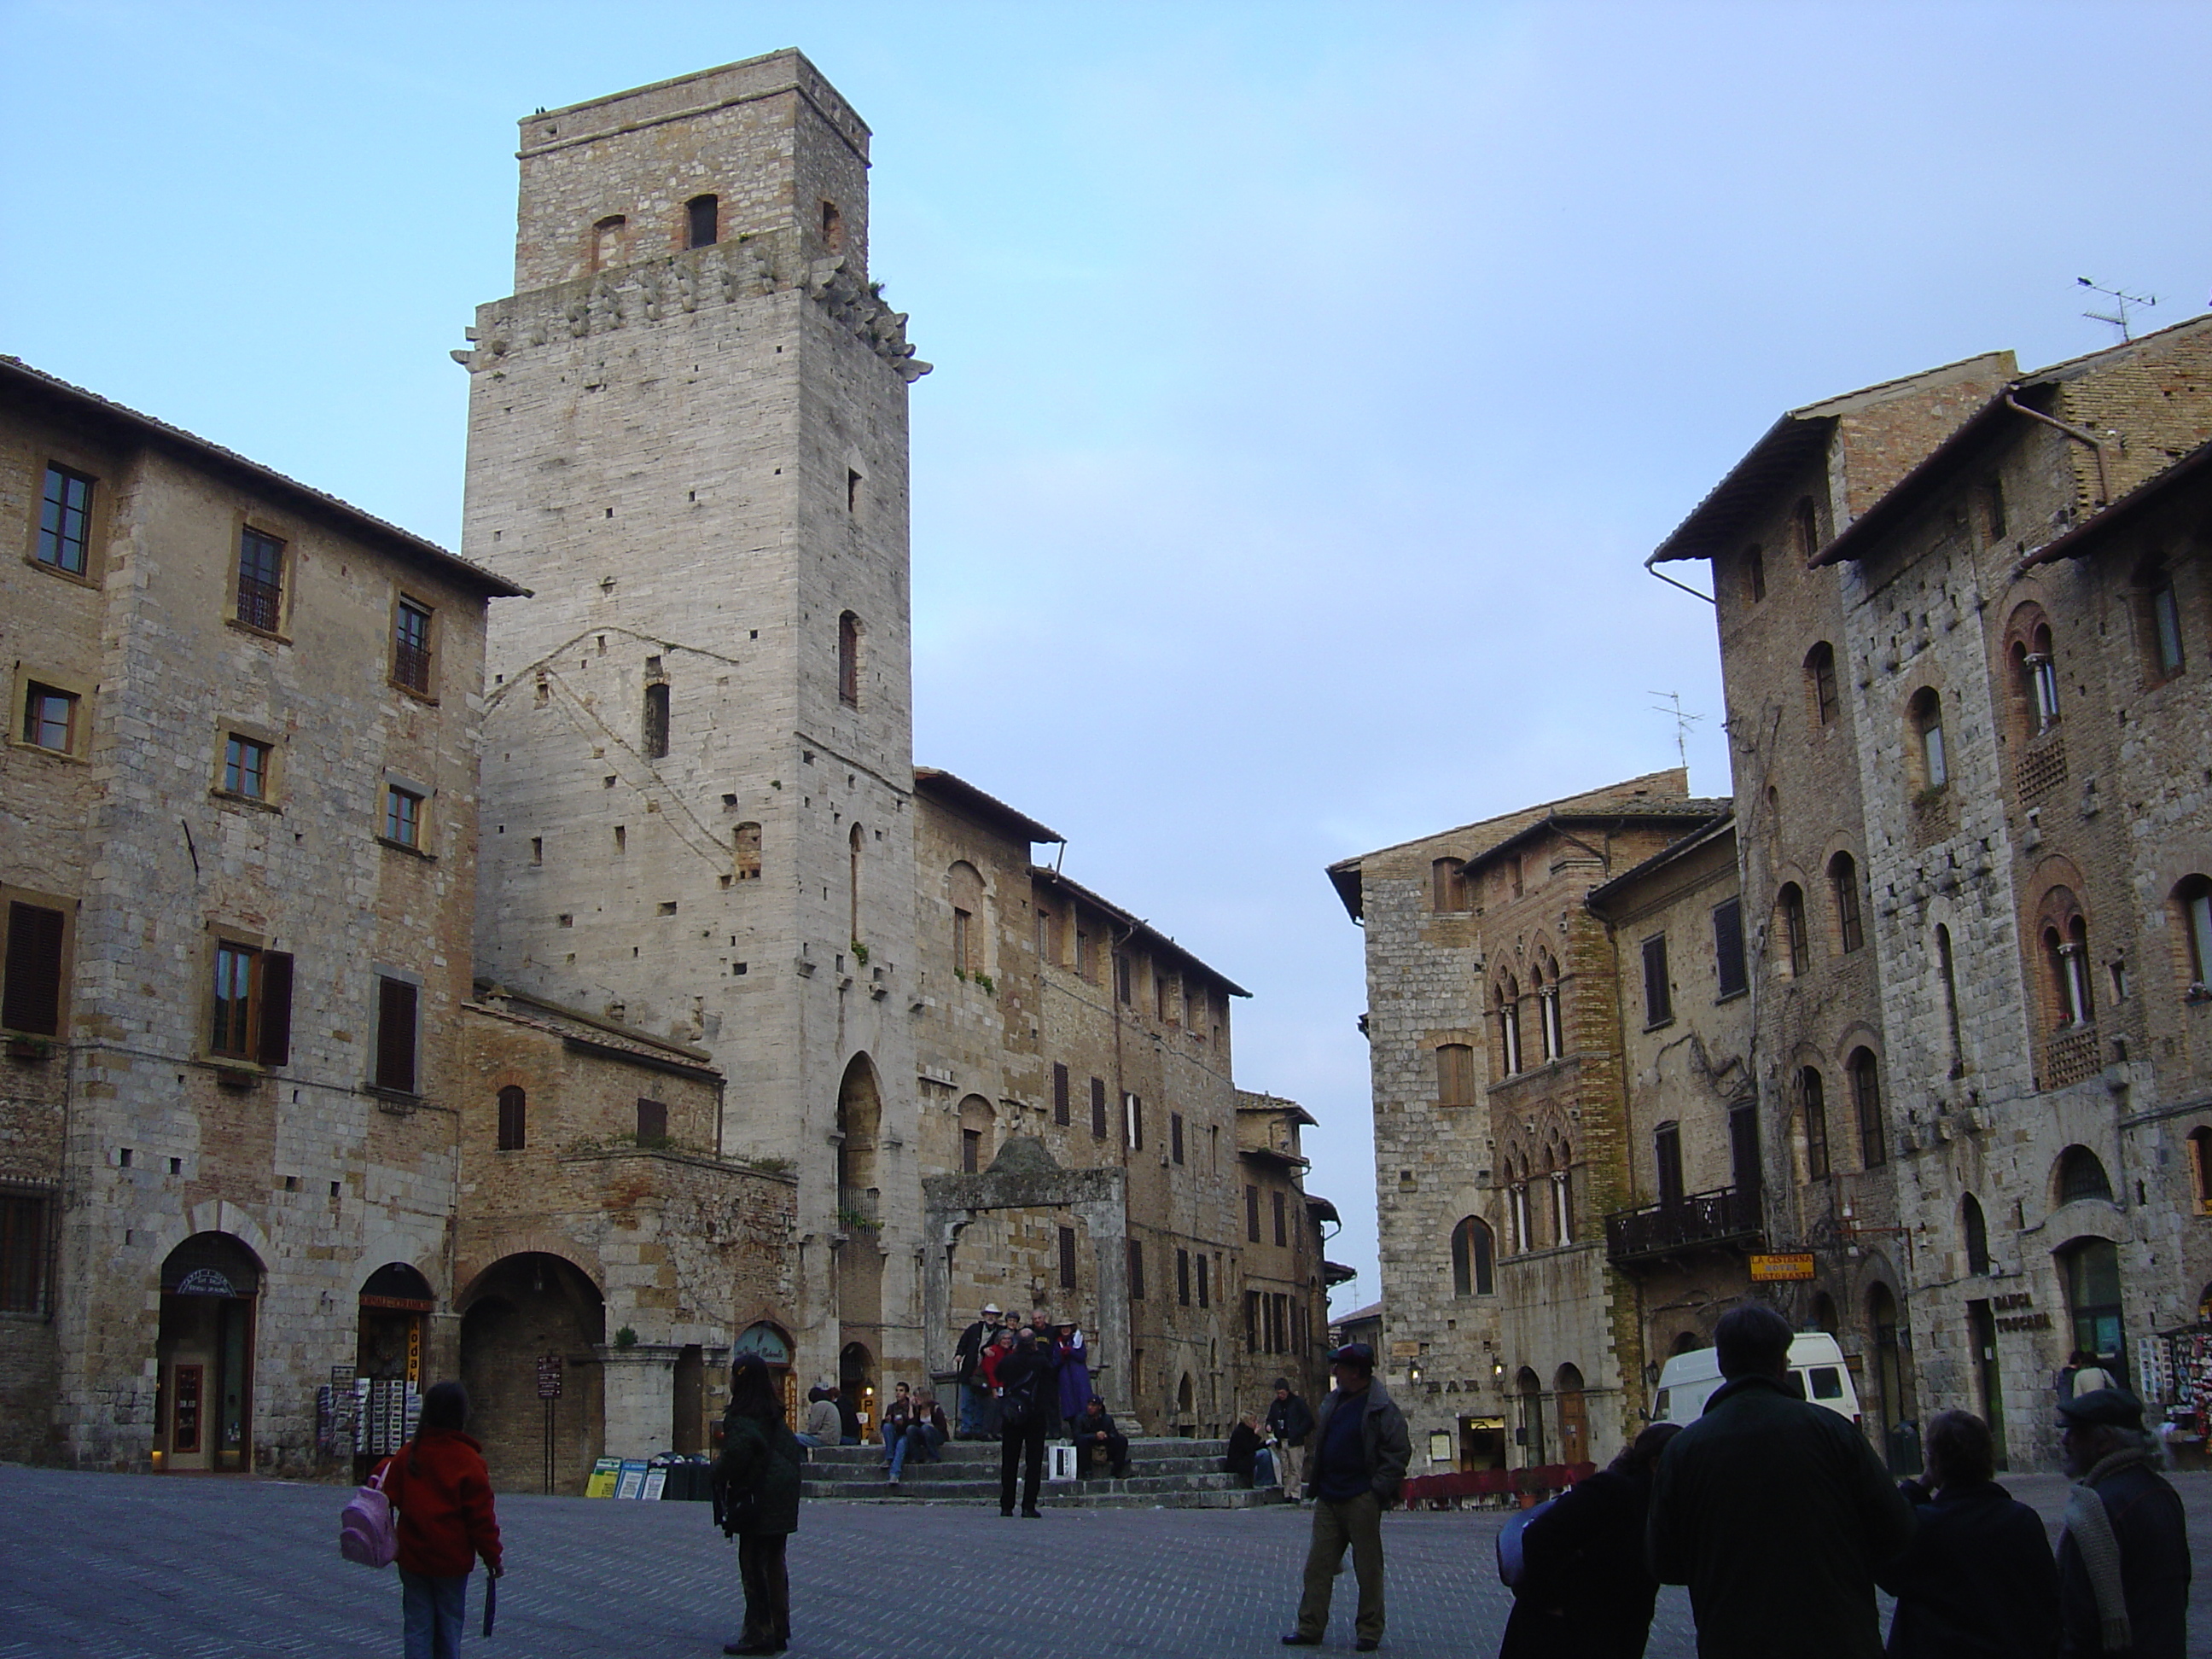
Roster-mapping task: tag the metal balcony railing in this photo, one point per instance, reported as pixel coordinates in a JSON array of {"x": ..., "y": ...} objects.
[{"x": 1726, "y": 1215}]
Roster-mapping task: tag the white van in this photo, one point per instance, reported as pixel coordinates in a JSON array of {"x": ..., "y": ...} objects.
[{"x": 1817, "y": 1373}]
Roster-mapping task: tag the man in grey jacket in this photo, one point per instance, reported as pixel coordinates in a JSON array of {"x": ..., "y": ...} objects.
[{"x": 1360, "y": 1450}]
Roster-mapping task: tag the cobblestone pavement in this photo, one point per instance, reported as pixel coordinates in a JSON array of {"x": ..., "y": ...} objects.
[{"x": 123, "y": 1565}]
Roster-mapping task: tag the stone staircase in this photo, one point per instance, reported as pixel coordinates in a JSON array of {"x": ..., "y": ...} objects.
[{"x": 1170, "y": 1474}]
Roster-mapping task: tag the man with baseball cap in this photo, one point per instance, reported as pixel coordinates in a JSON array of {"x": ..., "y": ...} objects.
[
  {"x": 2124, "y": 1558},
  {"x": 968, "y": 1354},
  {"x": 1360, "y": 1449}
]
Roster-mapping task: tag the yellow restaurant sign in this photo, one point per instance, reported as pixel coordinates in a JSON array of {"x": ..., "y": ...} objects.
[{"x": 1765, "y": 1269}]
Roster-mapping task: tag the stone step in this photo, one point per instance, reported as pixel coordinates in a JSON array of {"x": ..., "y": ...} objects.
[
  {"x": 980, "y": 1469},
  {"x": 986, "y": 1451},
  {"x": 1061, "y": 1497},
  {"x": 930, "y": 1485}
]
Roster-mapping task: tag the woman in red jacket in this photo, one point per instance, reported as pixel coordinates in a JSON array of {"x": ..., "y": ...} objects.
[{"x": 438, "y": 1485}]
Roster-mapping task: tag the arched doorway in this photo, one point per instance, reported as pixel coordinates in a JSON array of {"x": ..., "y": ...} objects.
[
  {"x": 1886, "y": 1354},
  {"x": 396, "y": 1304},
  {"x": 1529, "y": 1398},
  {"x": 772, "y": 1345},
  {"x": 1574, "y": 1416},
  {"x": 856, "y": 1380},
  {"x": 520, "y": 1310},
  {"x": 203, "y": 1352},
  {"x": 859, "y": 1257}
]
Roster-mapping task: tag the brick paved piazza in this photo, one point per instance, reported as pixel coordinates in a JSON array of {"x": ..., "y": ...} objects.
[{"x": 127, "y": 1566}]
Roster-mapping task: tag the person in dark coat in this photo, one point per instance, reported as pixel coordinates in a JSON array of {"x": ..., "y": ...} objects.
[
  {"x": 1289, "y": 1422},
  {"x": 1584, "y": 1592},
  {"x": 849, "y": 1413},
  {"x": 1977, "y": 1582},
  {"x": 438, "y": 1484},
  {"x": 1094, "y": 1432},
  {"x": 1242, "y": 1450},
  {"x": 755, "y": 1488},
  {"x": 2124, "y": 1558},
  {"x": 1773, "y": 1510},
  {"x": 968, "y": 1356},
  {"x": 1028, "y": 1400},
  {"x": 1361, "y": 1449}
]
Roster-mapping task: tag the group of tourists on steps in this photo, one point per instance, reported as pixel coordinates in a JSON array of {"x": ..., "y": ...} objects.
[{"x": 1774, "y": 1512}]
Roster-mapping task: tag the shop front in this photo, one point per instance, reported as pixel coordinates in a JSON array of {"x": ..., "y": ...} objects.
[{"x": 203, "y": 1350}]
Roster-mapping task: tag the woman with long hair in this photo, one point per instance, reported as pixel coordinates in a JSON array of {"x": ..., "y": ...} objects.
[
  {"x": 438, "y": 1483},
  {"x": 757, "y": 1502}
]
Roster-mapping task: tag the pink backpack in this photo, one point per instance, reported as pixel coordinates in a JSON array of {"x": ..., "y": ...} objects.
[{"x": 367, "y": 1532}]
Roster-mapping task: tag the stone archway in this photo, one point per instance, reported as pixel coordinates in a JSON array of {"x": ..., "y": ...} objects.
[
  {"x": 204, "y": 1355},
  {"x": 520, "y": 1308},
  {"x": 860, "y": 1229}
]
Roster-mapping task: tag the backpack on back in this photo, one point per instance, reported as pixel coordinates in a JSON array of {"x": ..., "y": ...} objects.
[{"x": 367, "y": 1532}]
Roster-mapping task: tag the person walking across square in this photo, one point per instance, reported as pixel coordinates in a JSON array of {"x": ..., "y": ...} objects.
[
  {"x": 1360, "y": 1451},
  {"x": 439, "y": 1486}
]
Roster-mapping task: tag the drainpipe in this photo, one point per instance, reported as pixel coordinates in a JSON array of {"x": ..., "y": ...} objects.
[{"x": 2079, "y": 435}]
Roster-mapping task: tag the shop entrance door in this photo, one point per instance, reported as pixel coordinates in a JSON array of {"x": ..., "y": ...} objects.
[{"x": 204, "y": 1353}]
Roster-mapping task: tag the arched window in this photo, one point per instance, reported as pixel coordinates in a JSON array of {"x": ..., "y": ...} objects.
[
  {"x": 964, "y": 886},
  {"x": 1529, "y": 1390},
  {"x": 1806, "y": 522},
  {"x": 977, "y": 1123},
  {"x": 607, "y": 242},
  {"x": 745, "y": 852},
  {"x": 1844, "y": 881},
  {"x": 2066, "y": 955},
  {"x": 2192, "y": 896},
  {"x": 1924, "y": 714},
  {"x": 653, "y": 734},
  {"x": 854, "y": 843},
  {"x": 1821, "y": 683},
  {"x": 1814, "y": 1095},
  {"x": 1551, "y": 1026},
  {"x": 1472, "y": 1249},
  {"x": 2081, "y": 1175},
  {"x": 2090, "y": 1270},
  {"x": 1448, "y": 885},
  {"x": 1183, "y": 1395},
  {"x": 2161, "y": 622},
  {"x": 1754, "y": 572},
  {"x": 513, "y": 1114},
  {"x": 1866, "y": 1099},
  {"x": 703, "y": 221},
  {"x": 1509, "y": 1026},
  {"x": 849, "y": 659},
  {"x": 1561, "y": 1180},
  {"x": 1975, "y": 1230},
  {"x": 1454, "y": 1074},
  {"x": 2037, "y": 677},
  {"x": 1789, "y": 909}
]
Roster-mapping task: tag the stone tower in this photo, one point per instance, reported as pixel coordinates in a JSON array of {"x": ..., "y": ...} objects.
[{"x": 688, "y": 438}]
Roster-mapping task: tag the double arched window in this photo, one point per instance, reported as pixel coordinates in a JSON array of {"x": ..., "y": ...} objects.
[
  {"x": 1473, "y": 1250},
  {"x": 2065, "y": 940}
]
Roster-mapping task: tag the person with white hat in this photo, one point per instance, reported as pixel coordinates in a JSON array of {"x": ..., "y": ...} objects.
[{"x": 968, "y": 1353}]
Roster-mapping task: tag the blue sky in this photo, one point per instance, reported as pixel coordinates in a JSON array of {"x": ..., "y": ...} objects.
[{"x": 1312, "y": 379}]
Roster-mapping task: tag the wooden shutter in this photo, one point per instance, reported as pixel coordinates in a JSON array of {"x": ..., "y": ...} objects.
[
  {"x": 1098, "y": 1109},
  {"x": 33, "y": 998},
  {"x": 276, "y": 1047},
  {"x": 1059, "y": 1095},
  {"x": 1728, "y": 948},
  {"x": 1136, "y": 1270},
  {"x": 1067, "y": 1258},
  {"x": 652, "y": 1121},
  {"x": 395, "y": 1035}
]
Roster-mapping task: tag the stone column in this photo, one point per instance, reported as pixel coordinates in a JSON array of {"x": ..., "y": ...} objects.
[{"x": 641, "y": 1399}]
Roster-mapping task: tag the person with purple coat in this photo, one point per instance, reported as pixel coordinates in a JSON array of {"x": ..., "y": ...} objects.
[{"x": 1074, "y": 1373}]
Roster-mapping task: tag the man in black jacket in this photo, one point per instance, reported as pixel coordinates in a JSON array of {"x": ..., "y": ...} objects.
[
  {"x": 1977, "y": 1581},
  {"x": 1773, "y": 1510},
  {"x": 2124, "y": 1558},
  {"x": 1094, "y": 1432},
  {"x": 1361, "y": 1449},
  {"x": 1291, "y": 1421},
  {"x": 968, "y": 1354},
  {"x": 1584, "y": 1592},
  {"x": 1027, "y": 1405}
]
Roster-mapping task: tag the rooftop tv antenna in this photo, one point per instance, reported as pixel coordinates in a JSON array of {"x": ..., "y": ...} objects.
[
  {"x": 2117, "y": 316},
  {"x": 1673, "y": 706}
]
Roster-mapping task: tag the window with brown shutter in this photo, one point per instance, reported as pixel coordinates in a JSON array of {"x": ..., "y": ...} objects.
[
  {"x": 275, "y": 1047},
  {"x": 1067, "y": 1258},
  {"x": 1252, "y": 1214},
  {"x": 1175, "y": 1136},
  {"x": 1183, "y": 1277},
  {"x": 1282, "y": 1234},
  {"x": 1098, "y": 1109},
  {"x": 31, "y": 996},
  {"x": 1205, "y": 1291},
  {"x": 1059, "y": 1095},
  {"x": 513, "y": 1118},
  {"x": 652, "y": 1122},
  {"x": 395, "y": 1035}
]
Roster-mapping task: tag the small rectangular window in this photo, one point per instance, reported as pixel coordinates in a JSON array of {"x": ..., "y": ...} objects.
[
  {"x": 653, "y": 734},
  {"x": 1059, "y": 1095},
  {"x": 1455, "y": 1074},
  {"x": 252, "y": 1004},
  {"x": 65, "y": 521},
  {"x": 1252, "y": 1213},
  {"x": 31, "y": 995},
  {"x": 1082, "y": 953},
  {"x": 1124, "y": 978},
  {"x": 1251, "y": 1321},
  {"x": 1282, "y": 1231},
  {"x": 1098, "y": 1109},
  {"x": 1728, "y": 948},
  {"x": 23, "y": 1227},
  {"x": 396, "y": 1007},
  {"x": 403, "y": 816},
  {"x": 246, "y": 768},
  {"x": 1204, "y": 1289},
  {"x": 1175, "y": 1136},
  {"x": 702, "y": 222},
  {"x": 1067, "y": 1258},
  {"x": 1136, "y": 1270},
  {"x": 1133, "y": 1113},
  {"x": 514, "y": 1115},
  {"x": 50, "y": 716},
  {"x": 410, "y": 647},
  {"x": 1667, "y": 1149},
  {"x": 1183, "y": 1277},
  {"x": 2166, "y": 622},
  {"x": 260, "y": 581},
  {"x": 652, "y": 1122},
  {"x": 971, "y": 1152},
  {"x": 1658, "y": 995},
  {"x": 1993, "y": 507}
]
